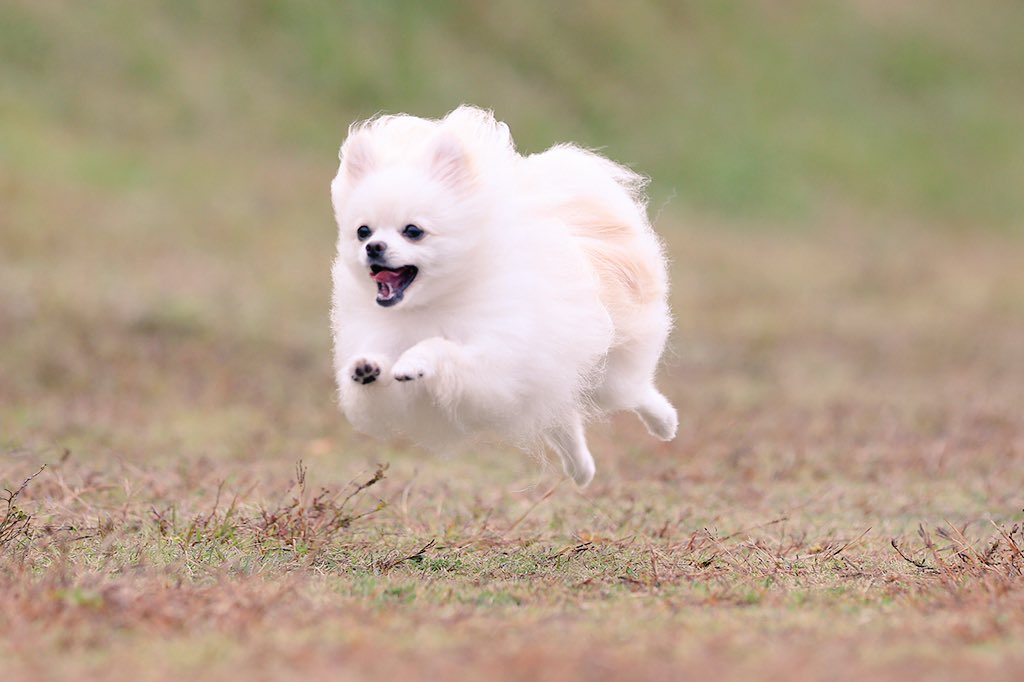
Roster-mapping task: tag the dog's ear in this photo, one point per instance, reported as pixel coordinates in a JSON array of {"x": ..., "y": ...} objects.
[
  {"x": 356, "y": 156},
  {"x": 450, "y": 163}
]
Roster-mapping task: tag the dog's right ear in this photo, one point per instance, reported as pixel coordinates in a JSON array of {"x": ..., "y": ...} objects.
[{"x": 356, "y": 156}]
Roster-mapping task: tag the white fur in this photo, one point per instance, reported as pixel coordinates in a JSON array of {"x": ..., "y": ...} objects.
[{"x": 540, "y": 299}]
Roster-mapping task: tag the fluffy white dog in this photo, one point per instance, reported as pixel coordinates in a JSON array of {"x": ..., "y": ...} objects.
[{"x": 478, "y": 291}]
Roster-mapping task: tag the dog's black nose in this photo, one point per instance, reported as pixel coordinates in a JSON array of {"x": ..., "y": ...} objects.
[{"x": 376, "y": 249}]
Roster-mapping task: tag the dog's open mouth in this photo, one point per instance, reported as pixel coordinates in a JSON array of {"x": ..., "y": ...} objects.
[{"x": 392, "y": 282}]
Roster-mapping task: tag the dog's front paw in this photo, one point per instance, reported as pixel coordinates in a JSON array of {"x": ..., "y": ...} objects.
[
  {"x": 408, "y": 372},
  {"x": 364, "y": 371},
  {"x": 414, "y": 364}
]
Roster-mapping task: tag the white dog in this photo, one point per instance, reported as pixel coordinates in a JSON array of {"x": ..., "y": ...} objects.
[{"x": 478, "y": 291}]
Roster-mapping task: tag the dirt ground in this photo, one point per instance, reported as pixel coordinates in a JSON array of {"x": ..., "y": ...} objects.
[{"x": 844, "y": 500}]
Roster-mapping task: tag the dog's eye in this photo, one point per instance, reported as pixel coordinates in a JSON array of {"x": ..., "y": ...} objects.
[
  {"x": 363, "y": 232},
  {"x": 412, "y": 232}
]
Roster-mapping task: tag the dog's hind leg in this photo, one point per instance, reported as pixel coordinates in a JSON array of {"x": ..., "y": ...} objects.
[
  {"x": 629, "y": 385},
  {"x": 658, "y": 415},
  {"x": 569, "y": 441}
]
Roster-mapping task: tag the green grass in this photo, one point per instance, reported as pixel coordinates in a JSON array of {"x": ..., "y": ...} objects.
[{"x": 743, "y": 110}]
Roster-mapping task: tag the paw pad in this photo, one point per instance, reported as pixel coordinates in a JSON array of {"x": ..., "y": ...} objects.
[{"x": 365, "y": 372}]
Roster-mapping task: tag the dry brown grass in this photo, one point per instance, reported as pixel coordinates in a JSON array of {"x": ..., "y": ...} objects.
[{"x": 844, "y": 500}]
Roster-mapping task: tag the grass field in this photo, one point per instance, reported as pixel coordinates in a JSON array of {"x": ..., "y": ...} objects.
[{"x": 845, "y": 499}]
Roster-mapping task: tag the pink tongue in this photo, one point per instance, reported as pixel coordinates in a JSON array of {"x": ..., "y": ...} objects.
[{"x": 387, "y": 277}]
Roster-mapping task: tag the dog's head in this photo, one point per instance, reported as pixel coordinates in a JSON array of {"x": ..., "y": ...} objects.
[
  {"x": 408, "y": 209},
  {"x": 413, "y": 207}
]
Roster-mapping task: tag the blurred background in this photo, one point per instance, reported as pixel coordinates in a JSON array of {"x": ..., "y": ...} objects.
[{"x": 841, "y": 185}]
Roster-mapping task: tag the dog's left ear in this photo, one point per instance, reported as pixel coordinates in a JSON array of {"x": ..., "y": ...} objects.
[{"x": 450, "y": 163}]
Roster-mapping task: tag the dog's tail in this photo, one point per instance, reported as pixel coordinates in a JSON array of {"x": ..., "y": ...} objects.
[{"x": 605, "y": 207}]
